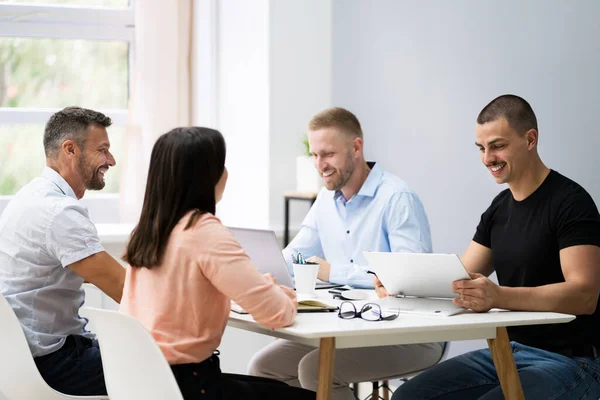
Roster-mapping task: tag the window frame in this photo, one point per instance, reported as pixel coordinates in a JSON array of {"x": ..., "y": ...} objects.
[{"x": 68, "y": 22}]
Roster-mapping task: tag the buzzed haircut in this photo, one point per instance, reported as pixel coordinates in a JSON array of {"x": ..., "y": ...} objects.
[
  {"x": 339, "y": 118},
  {"x": 71, "y": 123},
  {"x": 515, "y": 109}
]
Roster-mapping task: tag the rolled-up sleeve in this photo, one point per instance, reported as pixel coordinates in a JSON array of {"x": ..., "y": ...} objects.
[{"x": 72, "y": 236}]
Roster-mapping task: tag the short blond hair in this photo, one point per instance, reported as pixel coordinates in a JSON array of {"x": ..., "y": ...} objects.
[{"x": 339, "y": 118}]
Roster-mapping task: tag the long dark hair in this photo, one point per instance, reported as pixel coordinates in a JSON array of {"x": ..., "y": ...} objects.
[{"x": 185, "y": 166}]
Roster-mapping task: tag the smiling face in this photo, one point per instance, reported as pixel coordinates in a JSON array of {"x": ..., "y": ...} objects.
[
  {"x": 505, "y": 152},
  {"x": 95, "y": 158},
  {"x": 335, "y": 155}
]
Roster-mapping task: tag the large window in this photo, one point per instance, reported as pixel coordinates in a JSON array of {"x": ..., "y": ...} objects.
[{"x": 55, "y": 54}]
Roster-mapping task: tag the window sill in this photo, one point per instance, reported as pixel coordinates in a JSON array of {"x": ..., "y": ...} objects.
[
  {"x": 114, "y": 233},
  {"x": 102, "y": 207}
]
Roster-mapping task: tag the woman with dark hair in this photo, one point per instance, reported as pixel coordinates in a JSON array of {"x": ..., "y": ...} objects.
[{"x": 185, "y": 267}]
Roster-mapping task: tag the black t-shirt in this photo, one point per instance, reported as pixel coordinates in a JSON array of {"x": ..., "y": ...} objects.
[{"x": 526, "y": 237}]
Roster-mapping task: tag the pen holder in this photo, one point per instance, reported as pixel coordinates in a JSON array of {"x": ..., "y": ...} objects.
[{"x": 305, "y": 276}]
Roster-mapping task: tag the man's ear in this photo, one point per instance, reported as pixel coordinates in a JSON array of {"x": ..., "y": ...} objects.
[
  {"x": 69, "y": 148},
  {"x": 532, "y": 138},
  {"x": 357, "y": 144}
]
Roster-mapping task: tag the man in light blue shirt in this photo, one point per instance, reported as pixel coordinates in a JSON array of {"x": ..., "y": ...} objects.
[
  {"x": 49, "y": 246},
  {"x": 361, "y": 208},
  {"x": 384, "y": 215}
]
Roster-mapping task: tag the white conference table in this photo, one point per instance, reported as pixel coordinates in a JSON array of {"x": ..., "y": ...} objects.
[{"x": 327, "y": 331}]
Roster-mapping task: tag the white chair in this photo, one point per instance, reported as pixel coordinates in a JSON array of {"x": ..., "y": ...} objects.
[
  {"x": 19, "y": 376},
  {"x": 443, "y": 357},
  {"x": 134, "y": 366},
  {"x": 385, "y": 382}
]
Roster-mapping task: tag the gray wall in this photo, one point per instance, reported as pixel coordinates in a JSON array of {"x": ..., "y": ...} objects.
[{"x": 418, "y": 73}]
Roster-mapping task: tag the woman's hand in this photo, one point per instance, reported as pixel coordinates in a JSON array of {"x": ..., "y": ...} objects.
[
  {"x": 290, "y": 292},
  {"x": 270, "y": 278}
]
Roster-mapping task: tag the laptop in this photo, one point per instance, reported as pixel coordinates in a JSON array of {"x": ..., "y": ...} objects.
[
  {"x": 262, "y": 247},
  {"x": 418, "y": 283}
]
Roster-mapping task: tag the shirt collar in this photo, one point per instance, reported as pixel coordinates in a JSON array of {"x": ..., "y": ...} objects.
[
  {"x": 369, "y": 187},
  {"x": 59, "y": 181}
]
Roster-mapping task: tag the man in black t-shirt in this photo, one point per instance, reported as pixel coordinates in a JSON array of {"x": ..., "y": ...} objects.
[{"x": 542, "y": 238}]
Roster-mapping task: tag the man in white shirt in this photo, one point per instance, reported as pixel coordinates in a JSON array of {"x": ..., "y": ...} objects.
[
  {"x": 49, "y": 246},
  {"x": 362, "y": 208}
]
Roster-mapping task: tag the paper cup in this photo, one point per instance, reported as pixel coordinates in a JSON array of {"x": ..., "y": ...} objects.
[{"x": 305, "y": 276}]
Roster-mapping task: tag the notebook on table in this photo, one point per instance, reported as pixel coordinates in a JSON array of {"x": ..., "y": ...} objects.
[
  {"x": 418, "y": 283},
  {"x": 303, "y": 306}
]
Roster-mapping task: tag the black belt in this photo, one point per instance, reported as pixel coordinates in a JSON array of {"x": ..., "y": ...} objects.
[{"x": 583, "y": 350}]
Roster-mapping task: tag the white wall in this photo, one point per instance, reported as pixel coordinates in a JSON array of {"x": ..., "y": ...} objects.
[
  {"x": 272, "y": 73},
  {"x": 417, "y": 74},
  {"x": 243, "y": 108},
  {"x": 300, "y": 86}
]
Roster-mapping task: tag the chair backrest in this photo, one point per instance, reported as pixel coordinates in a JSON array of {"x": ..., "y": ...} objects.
[
  {"x": 134, "y": 366},
  {"x": 443, "y": 357},
  {"x": 19, "y": 376},
  {"x": 445, "y": 353}
]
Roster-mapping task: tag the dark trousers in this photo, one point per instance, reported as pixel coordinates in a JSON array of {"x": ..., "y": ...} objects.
[
  {"x": 205, "y": 381},
  {"x": 75, "y": 368}
]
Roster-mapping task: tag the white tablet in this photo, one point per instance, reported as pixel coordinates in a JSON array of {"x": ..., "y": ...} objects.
[{"x": 417, "y": 274}]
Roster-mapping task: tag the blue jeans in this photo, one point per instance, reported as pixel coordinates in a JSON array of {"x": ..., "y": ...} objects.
[
  {"x": 75, "y": 368},
  {"x": 544, "y": 375}
]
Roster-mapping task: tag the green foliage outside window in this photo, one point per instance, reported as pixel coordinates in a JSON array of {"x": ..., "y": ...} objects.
[{"x": 56, "y": 73}]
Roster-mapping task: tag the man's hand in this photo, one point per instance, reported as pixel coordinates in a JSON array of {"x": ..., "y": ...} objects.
[
  {"x": 324, "y": 268},
  {"x": 379, "y": 289},
  {"x": 479, "y": 293}
]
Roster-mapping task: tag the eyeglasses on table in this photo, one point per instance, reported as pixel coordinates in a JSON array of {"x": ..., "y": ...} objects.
[{"x": 369, "y": 312}]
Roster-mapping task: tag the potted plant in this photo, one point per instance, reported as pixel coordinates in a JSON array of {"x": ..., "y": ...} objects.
[{"x": 308, "y": 179}]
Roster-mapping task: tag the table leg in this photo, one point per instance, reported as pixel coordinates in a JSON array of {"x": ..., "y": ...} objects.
[
  {"x": 505, "y": 365},
  {"x": 326, "y": 362}
]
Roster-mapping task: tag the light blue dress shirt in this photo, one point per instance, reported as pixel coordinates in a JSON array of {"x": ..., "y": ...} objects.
[
  {"x": 385, "y": 215},
  {"x": 44, "y": 229}
]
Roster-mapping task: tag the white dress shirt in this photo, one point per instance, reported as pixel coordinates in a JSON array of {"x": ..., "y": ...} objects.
[{"x": 43, "y": 230}]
